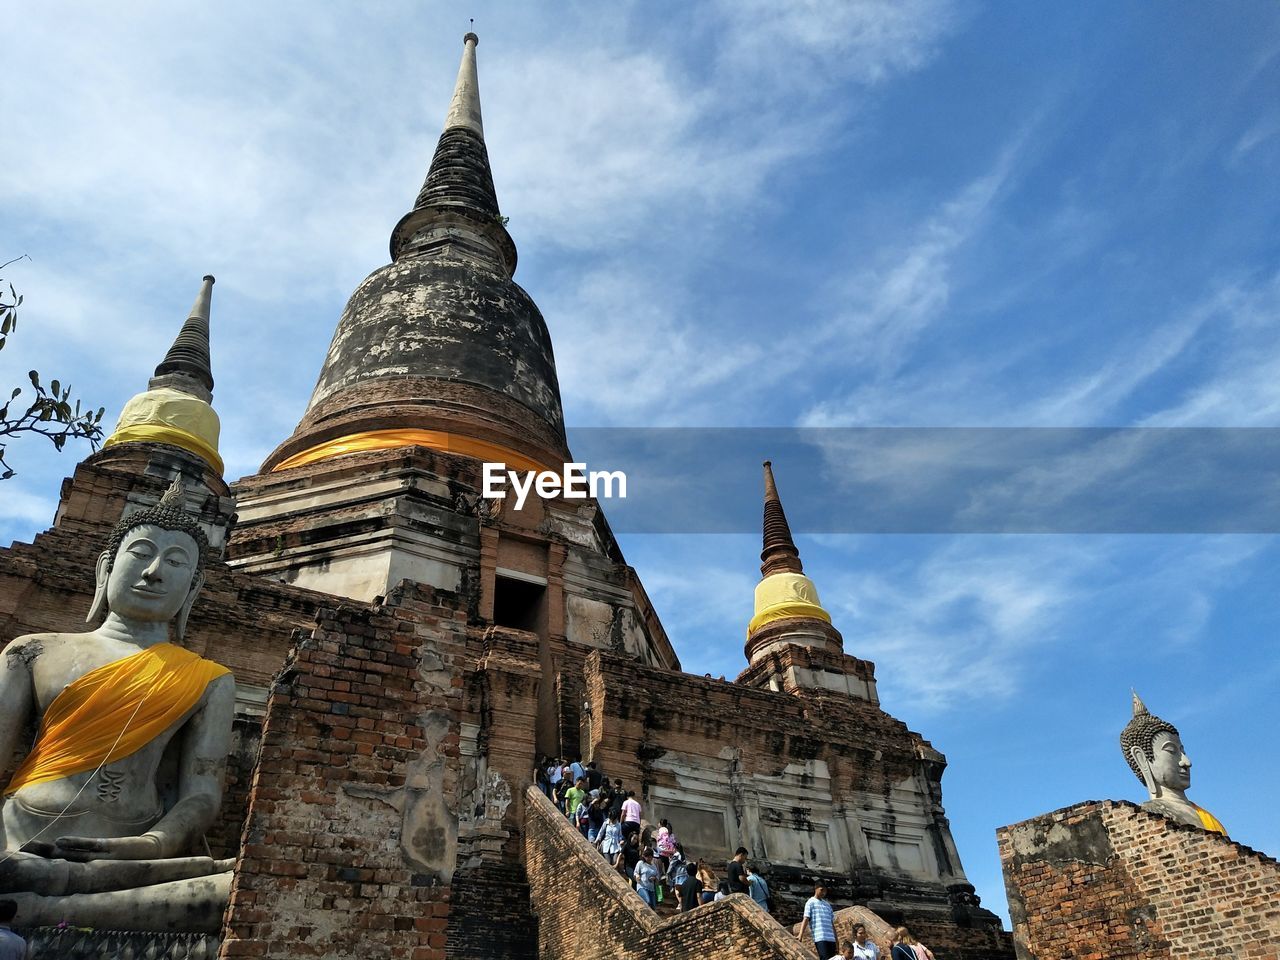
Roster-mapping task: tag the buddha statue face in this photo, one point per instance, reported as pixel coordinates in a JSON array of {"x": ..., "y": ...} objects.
[
  {"x": 153, "y": 573},
  {"x": 1170, "y": 767},
  {"x": 1153, "y": 749},
  {"x": 150, "y": 571}
]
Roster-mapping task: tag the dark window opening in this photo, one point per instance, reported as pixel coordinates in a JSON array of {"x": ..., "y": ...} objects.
[{"x": 517, "y": 603}]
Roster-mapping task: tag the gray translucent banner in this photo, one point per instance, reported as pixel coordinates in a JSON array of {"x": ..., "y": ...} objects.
[{"x": 943, "y": 480}]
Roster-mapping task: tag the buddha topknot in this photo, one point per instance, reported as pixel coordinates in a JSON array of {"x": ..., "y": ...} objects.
[
  {"x": 1141, "y": 731},
  {"x": 168, "y": 514}
]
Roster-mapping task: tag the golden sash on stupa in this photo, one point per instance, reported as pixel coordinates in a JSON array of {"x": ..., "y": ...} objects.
[{"x": 142, "y": 695}]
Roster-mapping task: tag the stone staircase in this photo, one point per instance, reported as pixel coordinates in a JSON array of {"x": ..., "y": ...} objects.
[{"x": 586, "y": 909}]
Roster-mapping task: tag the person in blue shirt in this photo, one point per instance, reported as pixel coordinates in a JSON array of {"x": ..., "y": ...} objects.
[
  {"x": 820, "y": 922},
  {"x": 757, "y": 887},
  {"x": 12, "y": 946}
]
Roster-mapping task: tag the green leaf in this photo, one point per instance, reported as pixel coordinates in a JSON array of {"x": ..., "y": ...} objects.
[
  {"x": 55, "y": 388},
  {"x": 35, "y": 378},
  {"x": 14, "y": 395},
  {"x": 6, "y": 324}
]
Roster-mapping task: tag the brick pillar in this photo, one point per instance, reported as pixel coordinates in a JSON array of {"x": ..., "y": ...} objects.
[
  {"x": 350, "y": 844},
  {"x": 488, "y": 570}
]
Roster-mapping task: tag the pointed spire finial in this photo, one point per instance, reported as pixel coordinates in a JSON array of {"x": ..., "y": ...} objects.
[
  {"x": 186, "y": 366},
  {"x": 464, "y": 110},
  {"x": 457, "y": 208},
  {"x": 1139, "y": 708},
  {"x": 779, "y": 553}
]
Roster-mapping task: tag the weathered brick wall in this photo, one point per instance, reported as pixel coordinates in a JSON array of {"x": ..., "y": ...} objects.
[
  {"x": 489, "y": 915},
  {"x": 1110, "y": 880},
  {"x": 586, "y": 909},
  {"x": 350, "y": 843},
  {"x": 224, "y": 837},
  {"x": 950, "y": 940}
]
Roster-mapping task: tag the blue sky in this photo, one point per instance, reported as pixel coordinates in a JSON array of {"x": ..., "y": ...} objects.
[{"x": 742, "y": 213}]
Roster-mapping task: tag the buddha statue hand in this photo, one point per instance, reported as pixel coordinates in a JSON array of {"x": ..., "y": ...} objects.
[{"x": 82, "y": 849}]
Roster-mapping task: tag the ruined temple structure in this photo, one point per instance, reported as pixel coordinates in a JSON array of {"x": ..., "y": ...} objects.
[{"x": 405, "y": 651}]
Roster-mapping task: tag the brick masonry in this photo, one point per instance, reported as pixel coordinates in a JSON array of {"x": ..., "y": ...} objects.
[
  {"x": 586, "y": 909},
  {"x": 351, "y": 836},
  {"x": 1110, "y": 880}
]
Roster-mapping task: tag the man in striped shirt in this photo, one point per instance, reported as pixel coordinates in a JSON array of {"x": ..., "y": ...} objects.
[{"x": 819, "y": 919}]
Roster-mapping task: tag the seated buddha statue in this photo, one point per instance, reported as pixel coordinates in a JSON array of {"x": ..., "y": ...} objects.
[
  {"x": 87, "y": 835},
  {"x": 1154, "y": 751}
]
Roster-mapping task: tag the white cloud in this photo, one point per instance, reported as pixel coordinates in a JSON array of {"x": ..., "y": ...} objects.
[
  {"x": 1242, "y": 386},
  {"x": 960, "y": 625},
  {"x": 884, "y": 310},
  {"x": 791, "y": 44},
  {"x": 21, "y": 508},
  {"x": 627, "y": 353}
]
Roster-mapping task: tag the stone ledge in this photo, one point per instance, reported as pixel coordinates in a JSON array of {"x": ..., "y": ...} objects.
[{"x": 53, "y": 943}]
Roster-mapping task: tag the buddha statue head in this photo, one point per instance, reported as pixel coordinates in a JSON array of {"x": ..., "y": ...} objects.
[
  {"x": 151, "y": 569},
  {"x": 1154, "y": 751}
]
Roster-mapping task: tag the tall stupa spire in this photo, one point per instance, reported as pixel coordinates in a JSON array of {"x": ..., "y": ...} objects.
[
  {"x": 440, "y": 348},
  {"x": 779, "y": 554},
  {"x": 176, "y": 406},
  {"x": 457, "y": 204},
  {"x": 187, "y": 363},
  {"x": 464, "y": 109},
  {"x": 787, "y": 609}
]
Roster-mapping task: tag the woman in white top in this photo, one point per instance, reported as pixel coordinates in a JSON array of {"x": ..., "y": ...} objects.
[
  {"x": 862, "y": 948},
  {"x": 610, "y": 840}
]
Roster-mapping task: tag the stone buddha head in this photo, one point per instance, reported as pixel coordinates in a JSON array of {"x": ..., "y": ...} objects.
[
  {"x": 151, "y": 569},
  {"x": 1154, "y": 751}
]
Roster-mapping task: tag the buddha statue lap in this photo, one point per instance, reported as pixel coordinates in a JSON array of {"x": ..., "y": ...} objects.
[
  {"x": 86, "y": 836},
  {"x": 1153, "y": 749}
]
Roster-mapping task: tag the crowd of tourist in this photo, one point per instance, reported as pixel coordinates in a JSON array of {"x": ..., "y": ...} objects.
[{"x": 654, "y": 862}]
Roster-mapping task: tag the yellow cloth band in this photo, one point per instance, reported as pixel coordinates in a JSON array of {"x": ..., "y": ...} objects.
[
  {"x": 165, "y": 415},
  {"x": 783, "y": 595},
  {"x": 157, "y": 433},
  {"x": 82, "y": 725},
  {"x": 1210, "y": 822},
  {"x": 392, "y": 439}
]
